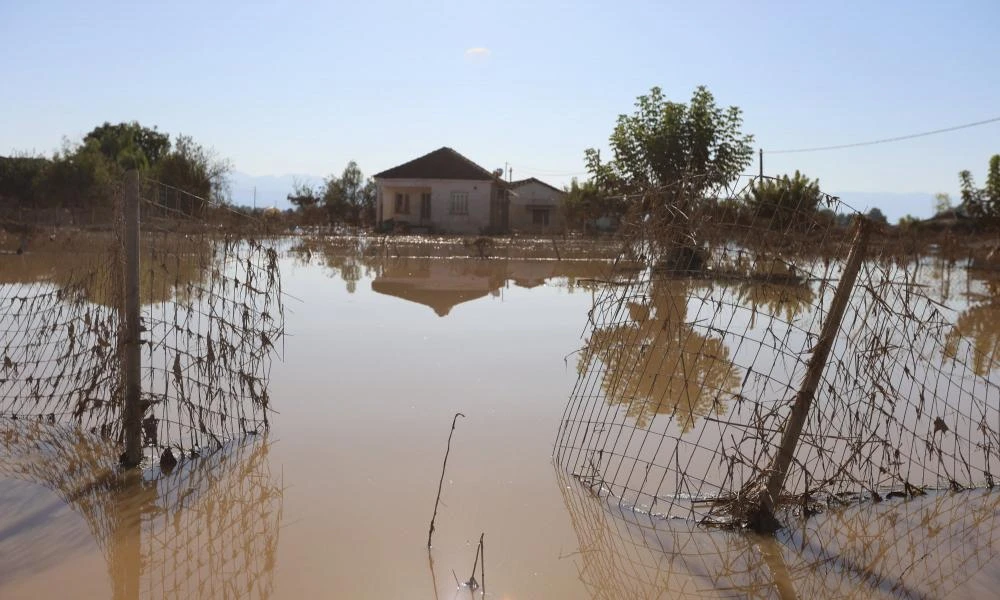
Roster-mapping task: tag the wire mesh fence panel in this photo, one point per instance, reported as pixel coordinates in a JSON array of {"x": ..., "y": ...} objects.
[
  {"x": 211, "y": 319},
  {"x": 208, "y": 528},
  {"x": 709, "y": 331},
  {"x": 212, "y": 313},
  {"x": 60, "y": 294}
]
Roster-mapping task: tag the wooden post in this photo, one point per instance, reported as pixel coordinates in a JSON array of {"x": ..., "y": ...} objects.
[
  {"x": 763, "y": 520},
  {"x": 132, "y": 410}
]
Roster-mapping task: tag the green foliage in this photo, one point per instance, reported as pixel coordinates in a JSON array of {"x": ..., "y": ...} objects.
[
  {"x": 77, "y": 177},
  {"x": 982, "y": 203},
  {"x": 349, "y": 198},
  {"x": 992, "y": 189},
  {"x": 877, "y": 216},
  {"x": 84, "y": 174},
  {"x": 909, "y": 222},
  {"x": 942, "y": 203},
  {"x": 194, "y": 169},
  {"x": 584, "y": 203},
  {"x": 303, "y": 196},
  {"x": 18, "y": 174},
  {"x": 785, "y": 200},
  {"x": 666, "y": 142},
  {"x": 130, "y": 145}
]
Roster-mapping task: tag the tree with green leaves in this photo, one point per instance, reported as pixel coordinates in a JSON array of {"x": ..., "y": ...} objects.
[
  {"x": 77, "y": 177},
  {"x": 942, "y": 203},
  {"x": 307, "y": 201},
  {"x": 698, "y": 146},
  {"x": 83, "y": 174},
  {"x": 877, "y": 216},
  {"x": 785, "y": 200},
  {"x": 349, "y": 198},
  {"x": 130, "y": 145},
  {"x": 584, "y": 204},
  {"x": 18, "y": 174},
  {"x": 983, "y": 203},
  {"x": 303, "y": 196},
  {"x": 195, "y": 169}
]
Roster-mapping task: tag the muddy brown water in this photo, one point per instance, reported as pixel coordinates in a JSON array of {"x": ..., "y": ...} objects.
[{"x": 335, "y": 503}]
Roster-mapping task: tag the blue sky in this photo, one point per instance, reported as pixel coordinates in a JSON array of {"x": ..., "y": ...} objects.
[{"x": 305, "y": 87}]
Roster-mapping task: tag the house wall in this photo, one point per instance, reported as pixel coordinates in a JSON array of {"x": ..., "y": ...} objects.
[
  {"x": 535, "y": 195},
  {"x": 477, "y": 219}
]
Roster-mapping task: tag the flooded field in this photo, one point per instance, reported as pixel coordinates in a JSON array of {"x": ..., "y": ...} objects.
[{"x": 384, "y": 344}]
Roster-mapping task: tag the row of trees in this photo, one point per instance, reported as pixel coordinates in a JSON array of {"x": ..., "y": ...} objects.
[
  {"x": 349, "y": 198},
  {"x": 83, "y": 174}
]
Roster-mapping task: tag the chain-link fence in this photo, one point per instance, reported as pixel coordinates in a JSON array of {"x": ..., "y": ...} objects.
[
  {"x": 764, "y": 348},
  {"x": 166, "y": 318}
]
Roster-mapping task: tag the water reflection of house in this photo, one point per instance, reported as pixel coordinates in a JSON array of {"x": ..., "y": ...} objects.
[
  {"x": 443, "y": 284},
  {"x": 439, "y": 284}
]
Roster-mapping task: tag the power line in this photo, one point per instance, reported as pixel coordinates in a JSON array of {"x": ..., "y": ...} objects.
[{"x": 886, "y": 140}]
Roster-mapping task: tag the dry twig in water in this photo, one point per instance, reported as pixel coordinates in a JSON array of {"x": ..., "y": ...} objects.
[{"x": 444, "y": 465}]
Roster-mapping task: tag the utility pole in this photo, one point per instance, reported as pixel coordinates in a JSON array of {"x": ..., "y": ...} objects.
[
  {"x": 761, "y": 161},
  {"x": 255, "y": 198}
]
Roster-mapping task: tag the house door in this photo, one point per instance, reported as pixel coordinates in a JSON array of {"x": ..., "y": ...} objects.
[{"x": 425, "y": 207}]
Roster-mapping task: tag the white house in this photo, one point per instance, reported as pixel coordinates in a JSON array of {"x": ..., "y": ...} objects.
[
  {"x": 443, "y": 192},
  {"x": 536, "y": 206}
]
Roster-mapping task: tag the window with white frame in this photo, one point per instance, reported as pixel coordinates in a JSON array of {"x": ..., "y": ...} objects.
[
  {"x": 459, "y": 203},
  {"x": 402, "y": 204}
]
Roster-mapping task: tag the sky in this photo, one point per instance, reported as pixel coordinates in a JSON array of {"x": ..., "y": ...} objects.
[{"x": 304, "y": 87}]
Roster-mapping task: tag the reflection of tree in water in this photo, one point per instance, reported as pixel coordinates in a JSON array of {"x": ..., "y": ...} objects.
[
  {"x": 346, "y": 260},
  {"x": 658, "y": 363},
  {"x": 207, "y": 529},
  {"x": 782, "y": 300},
  {"x": 172, "y": 264},
  {"x": 204, "y": 378},
  {"x": 350, "y": 267},
  {"x": 979, "y": 327},
  {"x": 934, "y": 546}
]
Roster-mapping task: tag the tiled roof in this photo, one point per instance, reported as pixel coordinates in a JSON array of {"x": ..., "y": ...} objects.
[
  {"x": 520, "y": 182},
  {"x": 443, "y": 163}
]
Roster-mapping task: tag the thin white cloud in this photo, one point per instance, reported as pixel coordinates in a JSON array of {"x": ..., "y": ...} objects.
[{"x": 477, "y": 53}]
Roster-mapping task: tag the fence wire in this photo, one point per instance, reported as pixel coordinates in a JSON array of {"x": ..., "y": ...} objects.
[
  {"x": 211, "y": 320},
  {"x": 700, "y": 339},
  {"x": 207, "y": 529}
]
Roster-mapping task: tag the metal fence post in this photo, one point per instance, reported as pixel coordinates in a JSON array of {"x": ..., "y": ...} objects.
[
  {"x": 132, "y": 410},
  {"x": 763, "y": 520}
]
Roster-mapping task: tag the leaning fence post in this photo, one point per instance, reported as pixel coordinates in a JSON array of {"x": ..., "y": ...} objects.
[
  {"x": 132, "y": 410},
  {"x": 763, "y": 519}
]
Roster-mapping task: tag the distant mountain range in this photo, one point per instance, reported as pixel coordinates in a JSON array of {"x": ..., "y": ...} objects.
[{"x": 273, "y": 190}]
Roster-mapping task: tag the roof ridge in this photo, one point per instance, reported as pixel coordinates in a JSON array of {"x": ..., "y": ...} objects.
[
  {"x": 469, "y": 160},
  {"x": 520, "y": 182},
  {"x": 443, "y": 163}
]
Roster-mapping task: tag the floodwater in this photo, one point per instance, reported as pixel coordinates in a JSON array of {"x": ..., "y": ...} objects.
[{"x": 335, "y": 501}]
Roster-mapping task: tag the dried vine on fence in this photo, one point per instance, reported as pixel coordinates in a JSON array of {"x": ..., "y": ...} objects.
[
  {"x": 698, "y": 345},
  {"x": 211, "y": 320}
]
